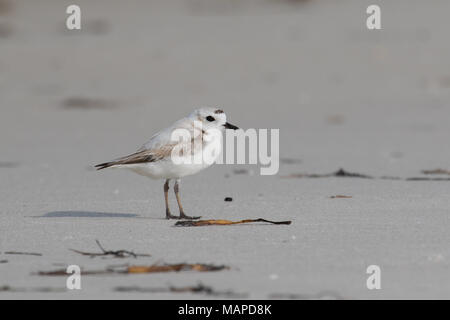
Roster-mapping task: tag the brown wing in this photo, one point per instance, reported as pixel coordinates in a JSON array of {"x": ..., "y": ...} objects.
[{"x": 143, "y": 156}]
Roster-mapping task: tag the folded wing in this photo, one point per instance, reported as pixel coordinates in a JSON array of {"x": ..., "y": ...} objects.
[{"x": 143, "y": 156}]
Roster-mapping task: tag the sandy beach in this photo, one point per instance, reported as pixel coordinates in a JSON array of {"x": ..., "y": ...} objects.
[{"x": 372, "y": 102}]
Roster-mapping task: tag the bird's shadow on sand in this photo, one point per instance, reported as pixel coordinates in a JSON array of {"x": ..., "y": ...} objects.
[{"x": 91, "y": 214}]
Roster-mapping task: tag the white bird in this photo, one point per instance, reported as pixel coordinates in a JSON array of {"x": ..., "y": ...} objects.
[{"x": 164, "y": 156}]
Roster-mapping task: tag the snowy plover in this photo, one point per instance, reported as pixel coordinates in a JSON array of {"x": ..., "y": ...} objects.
[{"x": 156, "y": 158}]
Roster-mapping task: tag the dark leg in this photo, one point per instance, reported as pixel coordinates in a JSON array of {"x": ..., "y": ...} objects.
[
  {"x": 182, "y": 215},
  {"x": 166, "y": 198}
]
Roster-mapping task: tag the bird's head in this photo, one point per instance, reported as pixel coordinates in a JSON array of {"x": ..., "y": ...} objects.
[{"x": 212, "y": 118}]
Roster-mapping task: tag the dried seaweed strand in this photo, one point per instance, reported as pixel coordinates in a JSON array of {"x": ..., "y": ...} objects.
[
  {"x": 199, "y": 223},
  {"x": 198, "y": 289},
  {"x": 199, "y": 267},
  {"x": 24, "y": 253}
]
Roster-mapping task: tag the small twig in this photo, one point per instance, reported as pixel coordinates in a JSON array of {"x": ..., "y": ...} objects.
[
  {"x": 100, "y": 246},
  {"x": 116, "y": 253}
]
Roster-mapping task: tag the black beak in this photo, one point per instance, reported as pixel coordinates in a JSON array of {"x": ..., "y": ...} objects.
[{"x": 230, "y": 126}]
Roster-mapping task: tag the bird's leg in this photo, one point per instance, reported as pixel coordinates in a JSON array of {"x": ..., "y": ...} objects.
[
  {"x": 166, "y": 198},
  {"x": 182, "y": 215}
]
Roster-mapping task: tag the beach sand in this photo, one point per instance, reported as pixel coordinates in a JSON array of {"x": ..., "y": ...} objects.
[{"x": 370, "y": 102}]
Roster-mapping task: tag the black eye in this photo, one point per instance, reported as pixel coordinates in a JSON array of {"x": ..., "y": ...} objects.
[{"x": 210, "y": 119}]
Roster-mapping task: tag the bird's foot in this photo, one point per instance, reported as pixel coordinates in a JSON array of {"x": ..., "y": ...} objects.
[
  {"x": 183, "y": 216},
  {"x": 170, "y": 216}
]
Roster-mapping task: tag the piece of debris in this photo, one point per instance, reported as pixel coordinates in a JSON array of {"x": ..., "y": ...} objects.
[
  {"x": 7, "y": 288},
  {"x": 390, "y": 178},
  {"x": 175, "y": 268},
  {"x": 63, "y": 272},
  {"x": 436, "y": 171},
  {"x": 136, "y": 269},
  {"x": 290, "y": 161},
  {"x": 340, "y": 196},
  {"x": 198, "y": 289},
  {"x": 199, "y": 223},
  {"x": 323, "y": 295},
  {"x": 116, "y": 253},
  {"x": 427, "y": 179},
  {"x": 243, "y": 171},
  {"x": 229, "y": 199},
  {"x": 24, "y": 253},
  {"x": 87, "y": 103},
  {"x": 3, "y": 261},
  {"x": 343, "y": 173},
  {"x": 8, "y": 164},
  {"x": 340, "y": 173},
  {"x": 335, "y": 119}
]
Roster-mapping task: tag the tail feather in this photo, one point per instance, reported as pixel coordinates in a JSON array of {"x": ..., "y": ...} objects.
[
  {"x": 104, "y": 165},
  {"x": 143, "y": 156}
]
